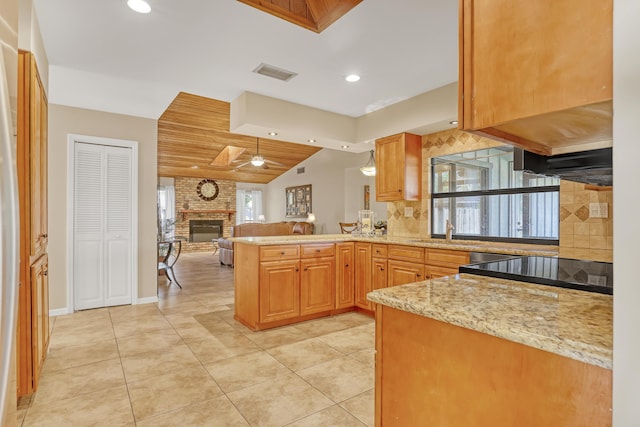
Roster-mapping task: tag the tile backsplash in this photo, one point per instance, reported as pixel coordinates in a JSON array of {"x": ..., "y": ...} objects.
[
  {"x": 581, "y": 236},
  {"x": 435, "y": 144}
]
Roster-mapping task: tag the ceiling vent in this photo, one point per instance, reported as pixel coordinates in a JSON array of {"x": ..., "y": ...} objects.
[{"x": 275, "y": 72}]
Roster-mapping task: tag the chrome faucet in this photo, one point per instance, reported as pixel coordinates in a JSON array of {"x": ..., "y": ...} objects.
[{"x": 449, "y": 230}]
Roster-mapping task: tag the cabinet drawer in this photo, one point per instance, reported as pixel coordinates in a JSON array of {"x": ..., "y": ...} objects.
[
  {"x": 378, "y": 250},
  {"x": 278, "y": 252},
  {"x": 406, "y": 253},
  {"x": 446, "y": 258},
  {"x": 317, "y": 250},
  {"x": 435, "y": 272}
]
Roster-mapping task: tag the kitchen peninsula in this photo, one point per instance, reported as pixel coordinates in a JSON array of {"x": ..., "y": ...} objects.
[
  {"x": 281, "y": 280},
  {"x": 472, "y": 350}
]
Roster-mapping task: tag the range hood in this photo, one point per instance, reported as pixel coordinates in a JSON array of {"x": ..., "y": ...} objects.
[{"x": 590, "y": 167}]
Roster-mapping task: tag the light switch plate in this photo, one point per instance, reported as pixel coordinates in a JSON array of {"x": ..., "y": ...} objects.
[
  {"x": 408, "y": 211},
  {"x": 598, "y": 210}
]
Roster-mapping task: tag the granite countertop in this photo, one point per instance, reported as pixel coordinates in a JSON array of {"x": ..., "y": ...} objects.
[
  {"x": 574, "y": 324},
  {"x": 459, "y": 245}
]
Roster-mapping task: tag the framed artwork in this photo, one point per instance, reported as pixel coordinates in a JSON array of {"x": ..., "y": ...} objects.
[{"x": 298, "y": 201}]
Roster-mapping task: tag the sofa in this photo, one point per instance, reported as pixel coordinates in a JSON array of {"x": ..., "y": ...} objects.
[{"x": 284, "y": 228}]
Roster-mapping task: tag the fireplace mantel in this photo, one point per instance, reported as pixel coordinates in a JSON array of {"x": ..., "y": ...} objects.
[{"x": 184, "y": 212}]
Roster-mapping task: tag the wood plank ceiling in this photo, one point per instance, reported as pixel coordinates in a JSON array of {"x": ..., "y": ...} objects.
[
  {"x": 314, "y": 15},
  {"x": 193, "y": 130}
]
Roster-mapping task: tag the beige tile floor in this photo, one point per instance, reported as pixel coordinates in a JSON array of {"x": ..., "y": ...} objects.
[{"x": 186, "y": 362}]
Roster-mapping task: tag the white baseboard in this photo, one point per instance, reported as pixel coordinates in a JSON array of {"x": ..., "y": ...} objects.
[
  {"x": 147, "y": 300},
  {"x": 58, "y": 312}
]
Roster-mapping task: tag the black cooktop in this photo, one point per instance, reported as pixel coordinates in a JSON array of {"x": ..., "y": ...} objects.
[{"x": 583, "y": 275}]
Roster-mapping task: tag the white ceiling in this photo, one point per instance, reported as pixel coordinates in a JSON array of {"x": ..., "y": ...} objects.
[{"x": 104, "y": 56}]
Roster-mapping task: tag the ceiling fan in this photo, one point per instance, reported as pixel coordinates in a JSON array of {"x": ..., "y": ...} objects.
[{"x": 258, "y": 159}]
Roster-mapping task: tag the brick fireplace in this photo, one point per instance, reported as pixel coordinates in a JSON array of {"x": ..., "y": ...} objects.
[{"x": 186, "y": 196}]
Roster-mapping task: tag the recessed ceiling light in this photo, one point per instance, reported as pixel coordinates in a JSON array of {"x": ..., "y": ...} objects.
[
  {"x": 453, "y": 122},
  {"x": 139, "y": 6},
  {"x": 345, "y": 146},
  {"x": 351, "y": 78},
  {"x": 311, "y": 140},
  {"x": 273, "y": 133},
  {"x": 194, "y": 167}
]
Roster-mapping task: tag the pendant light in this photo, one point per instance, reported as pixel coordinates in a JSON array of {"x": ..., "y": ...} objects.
[
  {"x": 369, "y": 169},
  {"x": 257, "y": 160}
]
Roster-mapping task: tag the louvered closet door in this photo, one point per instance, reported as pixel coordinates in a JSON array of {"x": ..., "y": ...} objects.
[{"x": 102, "y": 226}]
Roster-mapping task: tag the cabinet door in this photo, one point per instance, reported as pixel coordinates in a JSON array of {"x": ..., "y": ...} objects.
[
  {"x": 433, "y": 272},
  {"x": 379, "y": 273},
  {"x": 401, "y": 272},
  {"x": 363, "y": 274},
  {"x": 399, "y": 168},
  {"x": 345, "y": 277},
  {"x": 563, "y": 49},
  {"x": 39, "y": 315},
  {"x": 38, "y": 162},
  {"x": 279, "y": 290},
  {"x": 390, "y": 168},
  {"x": 316, "y": 285}
]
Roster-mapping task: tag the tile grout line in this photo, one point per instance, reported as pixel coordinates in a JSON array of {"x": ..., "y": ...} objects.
[{"x": 126, "y": 383}]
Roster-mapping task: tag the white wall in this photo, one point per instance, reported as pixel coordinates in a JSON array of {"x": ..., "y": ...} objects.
[
  {"x": 30, "y": 39},
  {"x": 354, "y": 195},
  {"x": 325, "y": 171},
  {"x": 626, "y": 227},
  {"x": 65, "y": 120}
]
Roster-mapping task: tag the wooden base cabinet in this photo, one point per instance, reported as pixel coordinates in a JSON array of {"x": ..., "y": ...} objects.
[
  {"x": 345, "y": 275},
  {"x": 282, "y": 284},
  {"x": 279, "y": 290},
  {"x": 431, "y": 373},
  {"x": 363, "y": 275},
  {"x": 401, "y": 272},
  {"x": 443, "y": 262},
  {"x": 32, "y": 335},
  {"x": 39, "y": 314},
  {"x": 317, "y": 292}
]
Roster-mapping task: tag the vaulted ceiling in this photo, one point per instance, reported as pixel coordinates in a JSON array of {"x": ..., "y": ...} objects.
[
  {"x": 194, "y": 130},
  {"x": 314, "y": 15}
]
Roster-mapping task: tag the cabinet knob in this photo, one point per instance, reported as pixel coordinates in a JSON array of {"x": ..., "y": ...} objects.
[
  {"x": 46, "y": 272},
  {"x": 346, "y": 265},
  {"x": 418, "y": 275},
  {"x": 399, "y": 191},
  {"x": 306, "y": 268},
  {"x": 381, "y": 268},
  {"x": 317, "y": 250},
  {"x": 281, "y": 253},
  {"x": 297, "y": 269}
]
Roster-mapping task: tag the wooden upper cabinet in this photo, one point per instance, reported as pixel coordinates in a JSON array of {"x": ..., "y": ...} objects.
[
  {"x": 399, "y": 167},
  {"x": 537, "y": 74}
]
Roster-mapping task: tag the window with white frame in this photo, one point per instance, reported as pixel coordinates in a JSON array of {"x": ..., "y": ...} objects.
[
  {"x": 485, "y": 199},
  {"x": 248, "y": 206}
]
